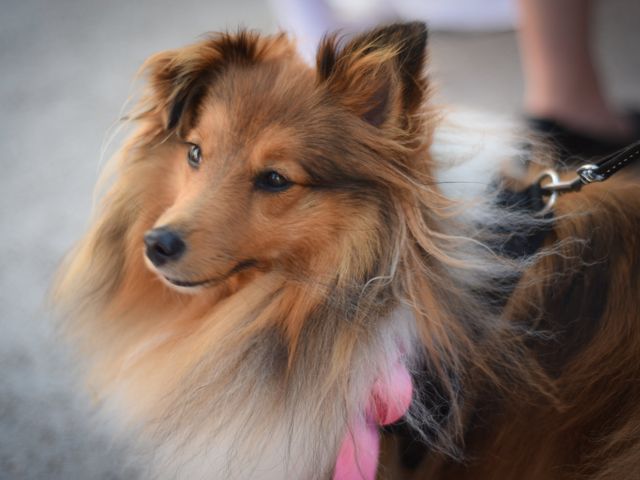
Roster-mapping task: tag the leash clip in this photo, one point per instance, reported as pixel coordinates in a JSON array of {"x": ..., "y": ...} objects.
[
  {"x": 585, "y": 174},
  {"x": 589, "y": 173}
]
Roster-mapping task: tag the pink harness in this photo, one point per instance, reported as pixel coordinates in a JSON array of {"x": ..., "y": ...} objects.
[{"x": 388, "y": 402}]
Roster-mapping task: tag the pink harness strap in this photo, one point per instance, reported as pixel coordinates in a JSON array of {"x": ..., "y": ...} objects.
[{"x": 389, "y": 401}]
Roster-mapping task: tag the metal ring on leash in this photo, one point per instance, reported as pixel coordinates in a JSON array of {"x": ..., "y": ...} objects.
[{"x": 554, "y": 178}]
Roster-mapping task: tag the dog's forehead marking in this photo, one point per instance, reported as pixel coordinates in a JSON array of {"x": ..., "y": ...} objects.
[
  {"x": 257, "y": 108},
  {"x": 260, "y": 95}
]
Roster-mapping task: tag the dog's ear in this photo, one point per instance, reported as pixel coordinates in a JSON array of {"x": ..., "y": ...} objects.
[
  {"x": 177, "y": 82},
  {"x": 180, "y": 79},
  {"x": 379, "y": 75}
]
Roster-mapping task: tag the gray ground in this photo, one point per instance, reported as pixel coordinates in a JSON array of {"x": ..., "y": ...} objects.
[{"x": 65, "y": 71}]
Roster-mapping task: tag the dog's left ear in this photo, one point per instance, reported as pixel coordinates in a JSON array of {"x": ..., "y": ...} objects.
[
  {"x": 180, "y": 79},
  {"x": 379, "y": 75}
]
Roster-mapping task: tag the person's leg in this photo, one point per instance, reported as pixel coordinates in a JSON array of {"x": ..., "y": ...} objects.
[{"x": 561, "y": 79}]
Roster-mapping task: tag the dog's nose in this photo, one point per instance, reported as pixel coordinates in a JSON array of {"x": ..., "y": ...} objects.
[{"x": 163, "y": 245}]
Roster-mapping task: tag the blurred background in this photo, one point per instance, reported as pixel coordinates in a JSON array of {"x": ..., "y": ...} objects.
[{"x": 67, "y": 68}]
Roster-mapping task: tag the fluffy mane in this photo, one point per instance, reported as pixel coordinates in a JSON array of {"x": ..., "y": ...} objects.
[{"x": 263, "y": 373}]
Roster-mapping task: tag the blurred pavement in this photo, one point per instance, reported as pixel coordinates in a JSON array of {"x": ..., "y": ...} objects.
[{"x": 66, "y": 72}]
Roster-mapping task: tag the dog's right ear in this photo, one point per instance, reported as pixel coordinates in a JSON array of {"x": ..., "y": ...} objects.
[{"x": 180, "y": 79}]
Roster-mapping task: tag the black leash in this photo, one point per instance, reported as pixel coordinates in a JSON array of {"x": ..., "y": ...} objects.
[{"x": 585, "y": 174}]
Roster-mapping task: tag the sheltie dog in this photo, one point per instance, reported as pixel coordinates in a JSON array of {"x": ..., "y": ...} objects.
[{"x": 288, "y": 254}]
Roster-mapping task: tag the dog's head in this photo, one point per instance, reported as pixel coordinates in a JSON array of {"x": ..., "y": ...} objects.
[{"x": 263, "y": 163}]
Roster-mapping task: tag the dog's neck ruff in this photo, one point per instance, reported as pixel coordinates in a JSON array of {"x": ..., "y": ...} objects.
[{"x": 468, "y": 171}]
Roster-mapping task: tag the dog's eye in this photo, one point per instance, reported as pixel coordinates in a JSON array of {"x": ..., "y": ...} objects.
[
  {"x": 272, "y": 181},
  {"x": 194, "y": 156}
]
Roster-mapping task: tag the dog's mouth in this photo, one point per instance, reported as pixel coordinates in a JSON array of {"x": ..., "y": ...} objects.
[
  {"x": 190, "y": 283},
  {"x": 209, "y": 282}
]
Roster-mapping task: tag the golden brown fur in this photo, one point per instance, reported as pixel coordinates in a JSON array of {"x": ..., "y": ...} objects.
[{"x": 259, "y": 373}]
